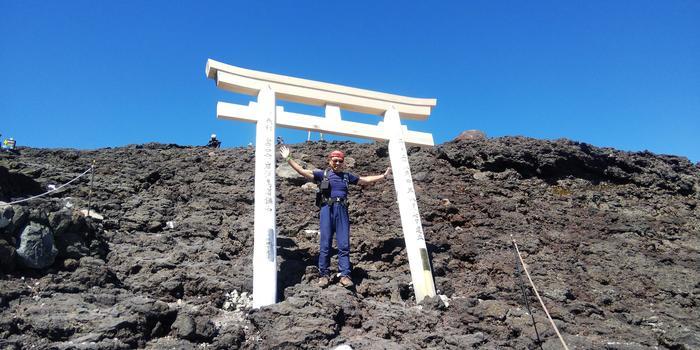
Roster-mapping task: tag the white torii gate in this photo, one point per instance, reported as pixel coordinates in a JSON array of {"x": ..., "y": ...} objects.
[{"x": 268, "y": 87}]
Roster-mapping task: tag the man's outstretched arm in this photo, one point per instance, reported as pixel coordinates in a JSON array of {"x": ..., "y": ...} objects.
[
  {"x": 284, "y": 151},
  {"x": 366, "y": 180}
]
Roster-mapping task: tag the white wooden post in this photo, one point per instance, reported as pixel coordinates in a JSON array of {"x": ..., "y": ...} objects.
[
  {"x": 265, "y": 234},
  {"x": 418, "y": 260}
]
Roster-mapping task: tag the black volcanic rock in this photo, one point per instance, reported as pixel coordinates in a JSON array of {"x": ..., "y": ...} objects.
[{"x": 610, "y": 238}]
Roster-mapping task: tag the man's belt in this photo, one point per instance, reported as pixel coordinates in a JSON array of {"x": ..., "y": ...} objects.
[{"x": 332, "y": 200}]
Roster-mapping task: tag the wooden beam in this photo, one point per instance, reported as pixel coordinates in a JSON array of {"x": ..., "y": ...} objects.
[
  {"x": 317, "y": 93},
  {"x": 232, "y": 111}
]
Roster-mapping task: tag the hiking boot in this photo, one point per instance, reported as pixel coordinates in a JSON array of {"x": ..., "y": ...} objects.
[
  {"x": 324, "y": 281},
  {"x": 346, "y": 282}
]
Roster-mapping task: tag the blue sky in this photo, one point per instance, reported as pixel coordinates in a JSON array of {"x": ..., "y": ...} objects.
[{"x": 92, "y": 74}]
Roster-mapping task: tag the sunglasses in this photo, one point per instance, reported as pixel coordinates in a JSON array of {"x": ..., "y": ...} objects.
[{"x": 336, "y": 160}]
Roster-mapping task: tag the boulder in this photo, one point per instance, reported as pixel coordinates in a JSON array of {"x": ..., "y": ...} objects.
[
  {"x": 193, "y": 328},
  {"x": 7, "y": 256},
  {"x": 285, "y": 171},
  {"x": 471, "y": 135},
  {"x": 6, "y": 214},
  {"x": 35, "y": 248},
  {"x": 309, "y": 187}
]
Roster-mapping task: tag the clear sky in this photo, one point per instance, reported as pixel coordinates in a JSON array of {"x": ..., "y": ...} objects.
[{"x": 91, "y": 74}]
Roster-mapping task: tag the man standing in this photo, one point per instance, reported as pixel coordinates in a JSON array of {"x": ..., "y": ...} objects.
[{"x": 334, "y": 211}]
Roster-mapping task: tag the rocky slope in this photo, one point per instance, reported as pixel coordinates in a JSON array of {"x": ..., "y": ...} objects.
[{"x": 611, "y": 239}]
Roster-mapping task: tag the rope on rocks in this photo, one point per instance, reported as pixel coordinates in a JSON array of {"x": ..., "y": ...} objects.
[
  {"x": 522, "y": 289},
  {"x": 551, "y": 321},
  {"x": 47, "y": 192}
]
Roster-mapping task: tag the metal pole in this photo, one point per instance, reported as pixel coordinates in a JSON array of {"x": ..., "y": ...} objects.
[{"x": 92, "y": 177}]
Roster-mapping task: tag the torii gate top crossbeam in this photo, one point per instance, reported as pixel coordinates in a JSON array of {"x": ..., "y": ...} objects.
[{"x": 317, "y": 93}]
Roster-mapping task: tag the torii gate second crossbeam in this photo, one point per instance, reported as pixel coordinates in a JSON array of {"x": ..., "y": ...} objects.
[{"x": 266, "y": 114}]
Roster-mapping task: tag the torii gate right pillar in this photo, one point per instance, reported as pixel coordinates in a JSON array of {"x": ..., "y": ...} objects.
[{"x": 418, "y": 260}]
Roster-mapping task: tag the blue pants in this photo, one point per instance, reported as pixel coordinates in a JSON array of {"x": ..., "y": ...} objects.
[{"x": 334, "y": 219}]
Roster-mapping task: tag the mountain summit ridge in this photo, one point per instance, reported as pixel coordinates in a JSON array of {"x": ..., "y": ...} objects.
[{"x": 611, "y": 238}]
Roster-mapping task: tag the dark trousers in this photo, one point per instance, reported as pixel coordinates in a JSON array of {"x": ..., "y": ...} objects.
[{"x": 334, "y": 220}]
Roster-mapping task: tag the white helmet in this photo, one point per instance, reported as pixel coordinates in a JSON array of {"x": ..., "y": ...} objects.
[{"x": 213, "y": 136}]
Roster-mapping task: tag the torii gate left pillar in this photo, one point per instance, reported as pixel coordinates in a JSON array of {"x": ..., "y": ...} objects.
[{"x": 265, "y": 255}]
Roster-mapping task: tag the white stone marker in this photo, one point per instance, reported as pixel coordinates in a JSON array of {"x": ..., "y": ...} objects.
[{"x": 268, "y": 87}]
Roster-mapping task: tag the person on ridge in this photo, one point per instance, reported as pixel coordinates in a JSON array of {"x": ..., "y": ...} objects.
[
  {"x": 9, "y": 144},
  {"x": 334, "y": 211},
  {"x": 213, "y": 142}
]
